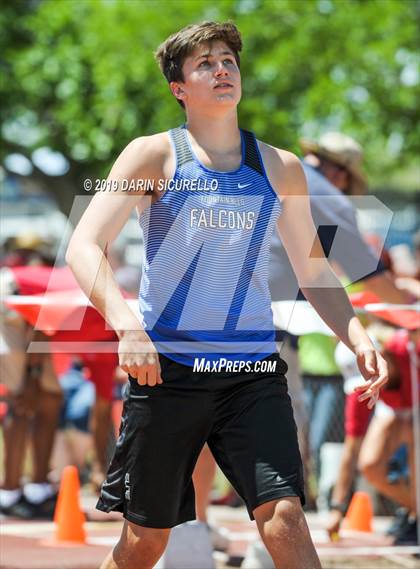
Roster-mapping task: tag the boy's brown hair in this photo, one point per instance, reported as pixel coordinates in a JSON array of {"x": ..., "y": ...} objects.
[{"x": 172, "y": 53}]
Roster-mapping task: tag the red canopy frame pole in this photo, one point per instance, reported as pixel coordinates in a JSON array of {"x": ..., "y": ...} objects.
[{"x": 416, "y": 426}]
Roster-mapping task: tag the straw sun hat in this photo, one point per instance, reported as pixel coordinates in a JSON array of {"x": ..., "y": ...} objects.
[{"x": 342, "y": 150}]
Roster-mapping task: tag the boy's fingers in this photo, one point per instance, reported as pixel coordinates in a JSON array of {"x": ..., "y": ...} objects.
[
  {"x": 133, "y": 371},
  {"x": 142, "y": 376},
  {"x": 368, "y": 359},
  {"x": 151, "y": 375},
  {"x": 373, "y": 400},
  {"x": 364, "y": 386}
]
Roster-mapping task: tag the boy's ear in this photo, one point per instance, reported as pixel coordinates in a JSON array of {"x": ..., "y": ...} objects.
[{"x": 177, "y": 90}]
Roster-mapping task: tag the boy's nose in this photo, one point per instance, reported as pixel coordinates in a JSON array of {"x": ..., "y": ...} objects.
[{"x": 221, "y": 69}]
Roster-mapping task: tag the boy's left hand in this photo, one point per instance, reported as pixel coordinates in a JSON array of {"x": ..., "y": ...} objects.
[{"x": 374, "y": 369}]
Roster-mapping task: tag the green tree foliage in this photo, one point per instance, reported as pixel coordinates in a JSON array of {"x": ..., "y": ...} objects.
[{"x": 79, "y": 75}]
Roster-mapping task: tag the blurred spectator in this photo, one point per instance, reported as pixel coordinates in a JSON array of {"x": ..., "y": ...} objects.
[
  {"x": 34, "y": 399},
  {"x": 101, "y": 367},
  {"x": 390, "y": 428},
  {"x": 323, "y": 389},
  {"x": 27, "y": 249},
  {"x": 357, "y": 416},
  {"x": 74, "y": 441},
  {"x": 408, "y": 269},
  {"x": 356, "y": 421},
  {"x": 86, "y": 416},
  {"x": 333, "y": 171},
  {"x": 403, "y": 262},
  {"x": 87, "y": 327}
]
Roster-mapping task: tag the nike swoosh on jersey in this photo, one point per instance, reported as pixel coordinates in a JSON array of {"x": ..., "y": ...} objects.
[{"x": 241, "y": 186}]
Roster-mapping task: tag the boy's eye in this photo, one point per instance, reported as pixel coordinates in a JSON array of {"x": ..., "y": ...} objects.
[{"x": 206, "y": 62}]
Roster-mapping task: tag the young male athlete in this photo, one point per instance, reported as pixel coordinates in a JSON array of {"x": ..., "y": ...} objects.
[{"x": 202, "y": 362}]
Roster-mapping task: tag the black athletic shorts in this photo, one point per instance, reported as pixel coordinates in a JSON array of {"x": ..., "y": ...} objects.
[{"x": 246, "y": 419}]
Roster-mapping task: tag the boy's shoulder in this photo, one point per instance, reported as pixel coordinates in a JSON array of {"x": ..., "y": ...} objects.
[
  {"x": 158, "y": 144},
  {"x": 277, "y": 155},
  {"x": 283, "y": 168},
  {"x": 150, "y": 154}
]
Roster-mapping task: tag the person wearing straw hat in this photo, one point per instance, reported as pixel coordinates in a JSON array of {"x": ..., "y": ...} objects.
[
  {"x": 339, "y": 158},
  {"x": 27, "y": 248},
  {"x": 333, "y": 171},
  {"x": 334, "y": 174}
]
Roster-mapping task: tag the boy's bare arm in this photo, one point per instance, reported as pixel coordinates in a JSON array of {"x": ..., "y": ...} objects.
[
  {"x": 108, "y": 211},
  {"x": 315, "y": 276}
]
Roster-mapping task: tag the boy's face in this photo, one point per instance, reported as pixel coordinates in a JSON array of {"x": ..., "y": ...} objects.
[{"x": 211, "y": 78}]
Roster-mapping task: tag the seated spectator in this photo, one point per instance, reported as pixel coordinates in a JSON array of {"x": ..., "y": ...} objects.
[
  {"x": 34, "y": 397},
  {"x": 34, "y": 401},
  {"x": 377, "y": 440},
  {"x": 391, "y": 427},
  {"x": 323, "y": 389},
  {"x": 74, "y": 440}
]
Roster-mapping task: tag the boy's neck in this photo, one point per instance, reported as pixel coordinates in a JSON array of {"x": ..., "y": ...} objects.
[{"x": 217, "y": 135}]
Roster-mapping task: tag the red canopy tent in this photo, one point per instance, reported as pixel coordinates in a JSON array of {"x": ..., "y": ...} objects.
[
  {"x": 51, "y": 300},
  {"x": 408, "y": 318}
]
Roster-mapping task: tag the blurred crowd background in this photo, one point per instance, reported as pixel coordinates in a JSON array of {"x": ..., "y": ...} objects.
[{"x": 79, "y": 81}]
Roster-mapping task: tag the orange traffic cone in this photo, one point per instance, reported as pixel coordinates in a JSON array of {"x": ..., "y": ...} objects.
[
  {"x": 68, "y": 516},
  {"x": 360, "y": 513}
]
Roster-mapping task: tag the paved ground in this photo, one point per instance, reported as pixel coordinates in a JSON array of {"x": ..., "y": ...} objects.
[{"x": 28, "y": 545}]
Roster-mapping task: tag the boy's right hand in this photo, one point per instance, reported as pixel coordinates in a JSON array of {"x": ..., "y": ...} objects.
[{"x": 139, "y": 358}]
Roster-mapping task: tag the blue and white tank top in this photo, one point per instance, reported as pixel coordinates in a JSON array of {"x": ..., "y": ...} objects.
[{"x": 204, "y": 289}]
